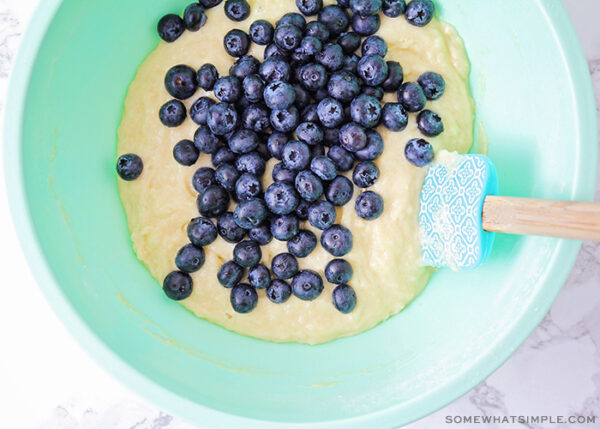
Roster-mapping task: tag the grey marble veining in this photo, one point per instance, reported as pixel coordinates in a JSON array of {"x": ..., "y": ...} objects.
[{"x": 556, "y": 372}]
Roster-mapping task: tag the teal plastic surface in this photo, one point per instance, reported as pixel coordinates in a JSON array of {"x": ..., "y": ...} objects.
[
  {"x": 534, "y": 98},
  {"x": 450, "y": 216}
]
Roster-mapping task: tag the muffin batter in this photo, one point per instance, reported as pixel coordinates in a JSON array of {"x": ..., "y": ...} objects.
[{"x": 386, "y": 256}]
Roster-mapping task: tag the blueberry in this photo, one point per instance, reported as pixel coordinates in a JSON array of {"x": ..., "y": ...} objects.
[
  {"x": 430, "y": 123},
  {"x": 228, "y": 229},
  {"x": 261, "y": 234},
  {"x": 320, "y": 94},
  {"x": 207, "y": 76},
  {"x": 335, "y": 18},
  {"x": 228, "y": 89},
  {"x": 367, "y": 25},
  {"x": 205, "y": 141},
  {"x": 310, "y": 46},
  {"x": 433, "y": 85},
  {"x": 247, "y": 186},
  {"x": 373, "y": 69},
  {"x": 338, "y": 271},
  {"x": 351, "y": 63},
  {"x": 321, "y": 214},
  {"x": 310, "y": 133},
  {"x": 243, "y": 298},
  {"x": 244, "y": 66},
  {"x": 284, "y": 265},
  {"x": 274, "y": 69},
  {"x": 287, "y": 37},
  {"x": 263, "y": 151},
  {"x": 412, "y": 97},
  {"x": 292, "y": 19},
  {"x": 303, "y": 97},
  {"x": 223, "y": 154},
  {"x": 285, "y": 120},
  {"x": 273, "y": 51},
  {"x": 313, "y": 76},
  {"x": 393, "y": 8},
  {"x": 302, "y": 244},
  {"x": 230, "y": 274},
  {"x": 323, "y": 167},
  {"x": 279, "y": 291},
  {"x": 247, "y": 254},
  {"x": 343, "y": 3},
  {"x": 251, "y": 163},
  {"x": 181, "y": 82},
  {"x": 331, "y": 57},
  {"x": 374, "y": 45},
  {"x": 342, "y": 159},
  {"x": 237, "y": 10},
  {"x": 243, "y": 141},
  {"x": 365, "y": 7},
  {"x": 309, "y": 7},
  {"x": 172, "y": 113},
  {"x": 203, "y": 178},
  {"x": 353, "y": 137},
  {"x": 339, "y": 191},
  {"x": 185, "y": 152},
  {"x": 302, "y": 210},
  {"x": 129, "y": 166},
  {"x": 394, "y": 116},
  {"x": 190, "y": 258},
  {"x": 344, "y": 298},
  {"x": 170, "y": 27},
  {"x": 318, "y": 30},
  {"x": 209, "y": 4},
  {"x": 281, "y": 198},
  {"x": 419, "y": 152},
  {"x": 279, "y": 95},
  {"x": 317, "y": 150},
  {"x": 275, "y": 143},
  {"x": 331, "y": 112},
  {"x": 369, "y": 205},
  {"x": 337, "y": 240},
  {"x": 222, "y": 118},
  {"x": 226, "y": 176},
  {"x": 259, "y": 277},
  {"x": 395, "y": 77},
  {"x": 308, "y": 185},
  {"x": 373, "y": 91},
  {"x": 343, "y": 86},
  {"x": 307, "y": 285},
  {"x": 261, "y": 32},
  {"x": 250, "y": 213},
  {"x": 178, "y": 285},
  {"x": 373, "y": 149},
  {"x": 309, "y": 114},
  {"x": 213, "y": 201},
  {"x": 256, "y": 118},
  {"x": 199, "y": 110},
  {"x": 284, "y": 227},
  {"x": 365, "y": 174},
  {"x": 201, "y": 231},
  {"x": 295, "y": 155},
  {"x": 419, "y": 12},
  {"x": 194, "y": 17},
  {"x": 349, "y": 42},
  {"x": 366, "y": 111},
  {"x": 331, "y": 136}
]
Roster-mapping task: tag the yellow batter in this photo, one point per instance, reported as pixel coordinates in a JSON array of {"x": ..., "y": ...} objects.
[{"x": 386, "y": 252}]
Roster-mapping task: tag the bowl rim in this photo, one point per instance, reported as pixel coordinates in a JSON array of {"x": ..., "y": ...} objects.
[{"x": 586, "y": 133}]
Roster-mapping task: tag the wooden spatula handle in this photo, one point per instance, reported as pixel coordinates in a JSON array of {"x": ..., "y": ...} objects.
[{"x": 527, "y": 216}]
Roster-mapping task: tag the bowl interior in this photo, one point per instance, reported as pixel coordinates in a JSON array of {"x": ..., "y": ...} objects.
[{"x": 530, "y": 86}]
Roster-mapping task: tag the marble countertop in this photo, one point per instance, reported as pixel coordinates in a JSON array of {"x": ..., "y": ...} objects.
[{"x": 48, "y": 382}]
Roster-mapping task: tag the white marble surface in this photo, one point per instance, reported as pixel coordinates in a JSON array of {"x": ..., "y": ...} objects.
[{"x": 48, "y": 382}]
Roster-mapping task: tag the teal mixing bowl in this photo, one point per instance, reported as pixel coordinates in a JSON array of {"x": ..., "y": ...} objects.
[{"x": 535, "y": 102}]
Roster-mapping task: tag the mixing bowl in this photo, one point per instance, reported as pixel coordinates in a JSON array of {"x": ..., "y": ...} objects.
[{"x": 535, "y": 106}]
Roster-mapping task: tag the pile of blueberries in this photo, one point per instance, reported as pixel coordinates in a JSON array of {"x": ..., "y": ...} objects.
[{"x": 313, "y": 104}]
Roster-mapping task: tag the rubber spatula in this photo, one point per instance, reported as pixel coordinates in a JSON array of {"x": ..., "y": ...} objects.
[{"x": 461, "y": 211}]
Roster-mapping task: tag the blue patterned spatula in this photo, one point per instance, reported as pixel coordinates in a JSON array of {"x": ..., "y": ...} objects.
[{"x": 460, "y": 212}]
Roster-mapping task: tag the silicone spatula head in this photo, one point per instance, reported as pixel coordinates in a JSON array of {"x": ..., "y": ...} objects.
[{"x": 452, "y": 199}]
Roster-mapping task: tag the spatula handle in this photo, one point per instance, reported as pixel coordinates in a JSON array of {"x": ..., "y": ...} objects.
[{"x": 528, "y": 216}]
